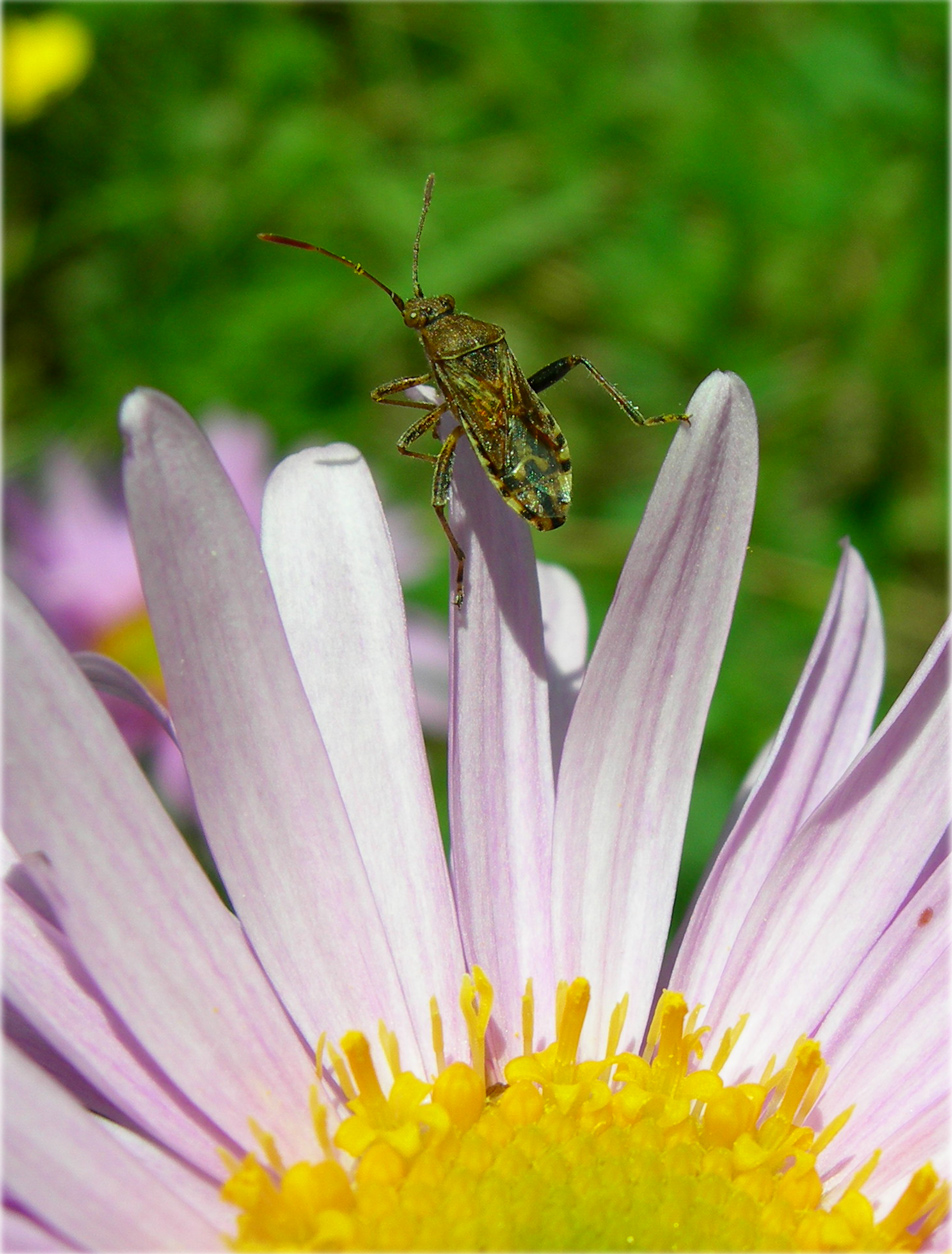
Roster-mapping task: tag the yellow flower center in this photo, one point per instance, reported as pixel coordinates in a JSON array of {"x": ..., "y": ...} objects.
[
  {"x": 131, "y": 643},
  {"x": 627, "y": 1152}
]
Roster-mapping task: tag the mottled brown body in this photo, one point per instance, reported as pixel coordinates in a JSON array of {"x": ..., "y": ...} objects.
[
  {"x": 514, "y": 435},
  {"x": 498, "y": 409}
]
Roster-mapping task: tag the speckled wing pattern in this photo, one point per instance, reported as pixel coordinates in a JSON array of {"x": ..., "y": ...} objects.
[{"x": 514, "y": 435}]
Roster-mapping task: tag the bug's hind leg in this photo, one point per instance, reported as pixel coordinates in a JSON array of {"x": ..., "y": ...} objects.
[
  {"x": 557, "y": 370},
  {"x": 442, "y": 476}
]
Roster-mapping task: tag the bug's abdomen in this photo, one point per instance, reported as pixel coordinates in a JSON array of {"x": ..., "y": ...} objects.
[{"x": 536, "y": 481}]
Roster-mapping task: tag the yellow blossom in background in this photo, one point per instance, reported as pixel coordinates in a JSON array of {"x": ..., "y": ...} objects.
[{"x": 42, "y": 57}]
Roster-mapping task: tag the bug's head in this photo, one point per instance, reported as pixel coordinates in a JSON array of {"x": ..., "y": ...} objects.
[{"x": 420, "y": 311}]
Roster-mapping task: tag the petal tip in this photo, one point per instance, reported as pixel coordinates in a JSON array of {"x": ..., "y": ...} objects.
[
  {"x": 141, "y": 406},
  {"x": 338, "y": 454},
  {"x": 722, "y": 396}
]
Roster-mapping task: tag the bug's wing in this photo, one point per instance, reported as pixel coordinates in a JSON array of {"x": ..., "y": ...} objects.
[
  {"x": 514, "y": 435},
  {"x": 475, "y": 384}
]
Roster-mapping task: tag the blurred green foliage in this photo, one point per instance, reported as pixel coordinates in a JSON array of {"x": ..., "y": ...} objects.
[{"x": 666, "y": 188}]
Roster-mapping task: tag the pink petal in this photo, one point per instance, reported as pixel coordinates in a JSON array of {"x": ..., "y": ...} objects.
[
  {"x": 68, "y": 1171},
  {"x": 844, "y": 875},
  {"x": 20, "y": 1032},
  {"x": 909, "y": 947},
  {"x": 187, "y": 1185},
  {"x": 140, "y": 913},
  {"x": 243, "y": 446},
  {"x": 113, "y": 680},
  {"x": 632, "y": 745},
  {"x": 565, "y": 632},
  {"x": 332, "y": 568},
  {"x": 886, "y": 1040},
  {"x": 22, "y": 1234},
  {"x": 500, "y": 773},
  {"x": 898, "y": 1081},
  {"x": 265, "y": 790},
  {"x": 44, "y": 980},
  {"x": 827, "y": 722}
]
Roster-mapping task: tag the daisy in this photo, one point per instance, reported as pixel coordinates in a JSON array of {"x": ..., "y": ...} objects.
[{"x": 378, "y": 1051}]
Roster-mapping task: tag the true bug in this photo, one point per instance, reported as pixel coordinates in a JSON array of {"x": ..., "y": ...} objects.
[{"x": 494, "y": 404}]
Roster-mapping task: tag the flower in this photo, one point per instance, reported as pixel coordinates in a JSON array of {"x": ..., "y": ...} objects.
[
  {"x": 43, "y": 57},
  {"x": 135, "y": 991},
  {"x": 74, "y": 559}
]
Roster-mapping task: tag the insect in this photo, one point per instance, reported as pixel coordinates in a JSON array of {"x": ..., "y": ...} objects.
[{"x": 495, "y": 406}]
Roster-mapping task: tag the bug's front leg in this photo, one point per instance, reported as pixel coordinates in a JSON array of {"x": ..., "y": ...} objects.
[
  {"x": 386, "y": 393},
  {"x": 443, "y": 473},
  {"x": 557, "y": 370},
  {"x": 441, "y": 495}
]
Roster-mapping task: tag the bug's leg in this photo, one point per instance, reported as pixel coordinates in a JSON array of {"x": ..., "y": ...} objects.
[
  {"x": 441, "y": 495},
  {"x": 386, "y": 394},
  {"x": 422, "y": 425},
  {"x": 557, "y": 370}
]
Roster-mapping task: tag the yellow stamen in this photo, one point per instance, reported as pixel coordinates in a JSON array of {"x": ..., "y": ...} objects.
[
  {"x": 728, "y": 1041},
  {"x": 319, "y": 1053},
  {"x": 319, "y": 1120},
  {"x": 476, "y": 1003},
  {"x": 919, "y": 1192},
  {"x": 865, "y": 1171},
  {"x": 561, "y": 989},
  {"x": 670, "y": 1032},
  {"x": 341, "y": 1072},
  {"x": 436, "y": 1028},
  {"x": 808, "y": 1062},
  {"x": 390, "y": 1047},
  {"x": 571, "y": 1021},
  {"x": 616, "y": 1026},
  {"x": 528, "y": 1018},
  {"x": 643, "y": 1151},
  {"x": 357, "y": 1052},
  {"x": 266, "y": 1141}
]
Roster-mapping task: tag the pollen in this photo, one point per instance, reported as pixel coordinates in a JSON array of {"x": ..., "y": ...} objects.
[{"x": 647, "y": 1151}]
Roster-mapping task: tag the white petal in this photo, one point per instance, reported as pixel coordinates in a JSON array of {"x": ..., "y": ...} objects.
[
  {"x": 827, "y": 722},
  {"x": 139, "y": 911},
  {"x": 565, "y": 631},
  {"x": 331, "y": 565},
  {"x": 269, "y": 804},
  {"x": 632, "y": 745},
  {"x": 501, "y": 788},
  {"x": 44, "y": 980},
  {"x": 64, "y": 1167},
  {"x": 844, "y": 875}
]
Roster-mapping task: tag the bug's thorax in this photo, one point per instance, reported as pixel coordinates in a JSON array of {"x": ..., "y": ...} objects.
[{"x": 445, "y": 333}]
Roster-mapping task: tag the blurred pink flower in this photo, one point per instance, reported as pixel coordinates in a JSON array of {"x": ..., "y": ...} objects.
[
  {"x": 73, "y": 556},
  {"x": 134, "y": 990}
]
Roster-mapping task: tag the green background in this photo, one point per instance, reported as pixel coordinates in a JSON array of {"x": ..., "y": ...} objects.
[{"x": 665, "y": 188}]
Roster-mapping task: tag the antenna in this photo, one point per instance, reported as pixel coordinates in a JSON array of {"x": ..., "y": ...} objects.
[
  {"x": 357, "y": 269},
  {"x": 427, "y": 193}
]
